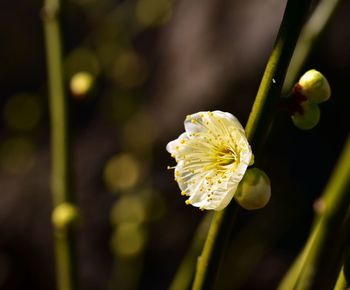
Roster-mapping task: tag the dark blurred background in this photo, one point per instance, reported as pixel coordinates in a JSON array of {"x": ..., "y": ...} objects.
[{"x": 133, "y": 70}]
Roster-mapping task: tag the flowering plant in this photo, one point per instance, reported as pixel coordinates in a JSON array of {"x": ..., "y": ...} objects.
[{"x": 212, "y": 157}]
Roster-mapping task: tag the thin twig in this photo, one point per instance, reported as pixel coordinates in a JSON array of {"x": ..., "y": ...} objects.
[{"x": 60, "y": 176}]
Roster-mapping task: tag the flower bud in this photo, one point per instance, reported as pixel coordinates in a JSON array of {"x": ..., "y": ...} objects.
[
  {"x": 64, "y": 215},
  {"x": 254, "y": 191},
  {"x": 308, "y": 118},
  {"x": 314, "y": 86}
]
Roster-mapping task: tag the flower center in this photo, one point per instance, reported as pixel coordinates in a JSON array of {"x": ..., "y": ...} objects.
[{"x": 226, "y": 156}]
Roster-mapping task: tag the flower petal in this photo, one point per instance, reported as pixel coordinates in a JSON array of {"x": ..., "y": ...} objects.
[
  {"x": 229, "y": 119},
  {"x": 227, "y": 198}
]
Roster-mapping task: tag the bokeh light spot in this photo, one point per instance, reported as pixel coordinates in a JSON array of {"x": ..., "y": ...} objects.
[
  {"x": 128, "y": 239},
  {"x": 128, "y": 209},
  {"x": 17, "y": 155},
  {"x": 81, "y": 83},
  {"x": 121, "y": 172},
  {"x": 81, "y": 59},
  {"x": 119, "y": 106},
  {"x": 139, "y": 133},
  {"x": 129, "y": 69},
  {"x": 22, "y": 112},
  {"x": 153, "y": 12}
]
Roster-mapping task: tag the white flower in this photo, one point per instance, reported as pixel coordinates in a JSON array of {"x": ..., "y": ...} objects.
[{"x": 212, "y": 157}]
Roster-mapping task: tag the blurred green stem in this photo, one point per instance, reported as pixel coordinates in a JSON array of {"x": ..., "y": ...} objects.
[
  {"x": 184, "y": 275},
  {"x": 318, "y": 266},
  {"x": 257, "y": 125},
  {"x": 309, "y": 36},
  {"x": 341, "y": 283},
  {"x": 60, "y": 178},
  {"x": 294, "y": 271},
  {"x": 208, "y": 261}
]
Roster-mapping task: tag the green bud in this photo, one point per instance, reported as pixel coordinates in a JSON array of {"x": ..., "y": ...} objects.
[
  {"x": 309, "y": 118},
  {"x": 64, "y": 215},
  {"x": 254, "y": 190},
  {"x": 314, "y": 86}
]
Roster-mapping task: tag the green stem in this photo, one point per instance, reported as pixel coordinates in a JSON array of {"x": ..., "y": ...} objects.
[
  {"x": 316, "y": 271},
  {"x": 60, "y": 178},
  {"x": 184, "y": 275},
  {"x": 331, "y": 266},
  {"x": 208, "y": 261},
  {"x": 295, "y": 270},
  {"x": 275, "y": 71},
  {"x": 341, "y": 282},
  {"x": 343, "y": 276},
  {"x": 258, "y": 122},
  {"x": 309, "y": 36},
  {"x": 333, "y": 260}
]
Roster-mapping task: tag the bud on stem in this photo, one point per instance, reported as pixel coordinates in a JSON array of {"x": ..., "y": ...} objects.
[
  {"x": 309, "y": 116},
  {"x": 314, "y": 86},
  {"x": 254, "y": 191}
]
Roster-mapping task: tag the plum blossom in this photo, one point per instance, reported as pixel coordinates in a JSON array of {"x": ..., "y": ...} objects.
[{"x": 212, "y": 157}]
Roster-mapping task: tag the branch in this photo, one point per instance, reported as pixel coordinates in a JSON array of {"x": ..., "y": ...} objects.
[
  {"x": 258, "y": 122},
  {"x": 61, "y": 175}
]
